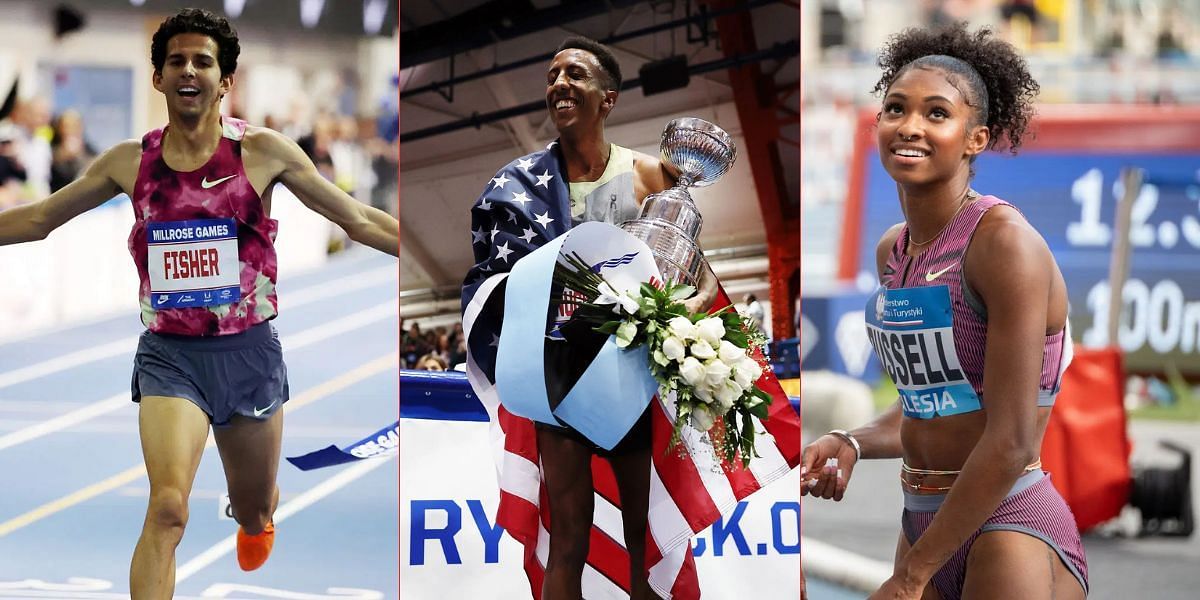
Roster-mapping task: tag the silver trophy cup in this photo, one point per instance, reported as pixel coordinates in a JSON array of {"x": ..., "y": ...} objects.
[{"x": 669, "y": 222}]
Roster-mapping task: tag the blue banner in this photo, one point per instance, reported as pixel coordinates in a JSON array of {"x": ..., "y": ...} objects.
[
  {"x": 382, "y": 442},
  {"x": 447, "y": 396},
  {"x": 1071, "y": 198}
]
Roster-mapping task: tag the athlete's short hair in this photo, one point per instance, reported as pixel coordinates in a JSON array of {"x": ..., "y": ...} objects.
[
  {"x": 197, "y": 20},
  {"x": 608, "y": 63}
]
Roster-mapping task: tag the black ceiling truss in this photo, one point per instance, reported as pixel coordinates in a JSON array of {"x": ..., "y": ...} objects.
[
  {"x": 445, "y": 88},
  {"x": 493, "y": 21},
  {"x": 781, "y": 51}
]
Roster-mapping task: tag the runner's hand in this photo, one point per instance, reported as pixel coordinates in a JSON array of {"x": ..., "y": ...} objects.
[{"x": 825, "y": 468}]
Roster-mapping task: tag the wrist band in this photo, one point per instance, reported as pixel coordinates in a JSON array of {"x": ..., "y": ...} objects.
[{"x": 845, "y": 435}]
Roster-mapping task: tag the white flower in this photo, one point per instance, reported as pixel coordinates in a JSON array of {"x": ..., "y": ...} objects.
[
  {"x": 703, "y": 393},
  {"x": 661, "y": 358},
  {"x": 626, "y": 331},
  {"x": 703, "y": 350},
  {"x": 692, "y": 371},
  {"x": 682, "y": 328},
  {"x": 702, "y": 419},
  {"x": 729, "y": 353},
  {"x": 727, "y": 394},
  {"x": 673, "y": 348},
  {"x": 629, "y": 304},
  {"x": 711, "y": 330},
  {"x": 743, "y": 377},
  {"x": 716, "y": 373},
  {"x": 746, "y": 371}
]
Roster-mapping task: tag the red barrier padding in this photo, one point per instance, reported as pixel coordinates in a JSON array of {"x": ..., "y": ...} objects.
[{"x": 1086, "y": 447}]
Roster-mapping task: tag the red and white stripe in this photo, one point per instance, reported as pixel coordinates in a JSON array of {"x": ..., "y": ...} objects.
[{"x": 688, "y": 491}]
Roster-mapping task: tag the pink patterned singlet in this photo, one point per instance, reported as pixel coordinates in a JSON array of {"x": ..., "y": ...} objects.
[{"x": 202, "y": 242}]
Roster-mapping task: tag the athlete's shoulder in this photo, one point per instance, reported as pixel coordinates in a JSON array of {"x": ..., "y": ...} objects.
[
  {"x": 1004, "y": 241},
  {"x": 265, "y": 138},
  {"x": 1001, "y": 218},
  {"x": 886, "y": 242},
  {"x": 889, "y": 237},
  {"x": 265, "y": 147},
  {"x": 655, "y": 174},
  {"x": 131, "y": 148},
  {"x": 528, "y": 166},
  {"x": 121, "y": 159}
]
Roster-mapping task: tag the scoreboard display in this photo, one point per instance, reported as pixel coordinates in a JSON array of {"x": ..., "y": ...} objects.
[{"x": 1066, "y": 181}]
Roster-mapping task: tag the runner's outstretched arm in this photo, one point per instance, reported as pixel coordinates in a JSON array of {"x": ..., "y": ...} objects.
[
  {"x": 364, "y": 224},
  {"x": 98, "y": 184}
]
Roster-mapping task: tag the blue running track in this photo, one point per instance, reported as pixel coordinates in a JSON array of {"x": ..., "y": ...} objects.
[{"x": 73, "y": 491}]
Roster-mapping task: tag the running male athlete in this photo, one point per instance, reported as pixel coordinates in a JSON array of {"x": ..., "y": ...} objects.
[{"x": 203, "y": 247}]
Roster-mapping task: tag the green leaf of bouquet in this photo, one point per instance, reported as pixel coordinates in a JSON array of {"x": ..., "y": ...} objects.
[
  {"x": 626, "y": 331},
  {"x": 737, "y": 338},
  {"x": 682, "y": 292},
  {"x": 646, "y": 307},
  {"x": 610, "y": 327},
  {"x": 760, "y": 410}
]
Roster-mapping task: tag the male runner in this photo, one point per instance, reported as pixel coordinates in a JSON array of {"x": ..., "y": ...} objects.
[{"x": 203, "y": 245}]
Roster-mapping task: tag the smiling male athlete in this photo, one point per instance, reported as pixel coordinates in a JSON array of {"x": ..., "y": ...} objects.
[{"x": 203, "y": 245}]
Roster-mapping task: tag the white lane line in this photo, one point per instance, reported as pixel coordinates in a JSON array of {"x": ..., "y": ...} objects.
[
  {"x": 842, "y": 567},
  {"x": 327, "y": 388},
  {"x": 293, "y": 342},
  {"x": 337, "y": 287},
  {"x": 67, "y": 361},
  {"x": 301, "y": 502},
  {"x": 61, "y": 422},
  {"x": 300, "y": 297},
  {"x": 362, "y": 318}
]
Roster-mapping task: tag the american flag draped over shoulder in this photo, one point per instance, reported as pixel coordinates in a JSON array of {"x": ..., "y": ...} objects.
[{"x": 523, "y": 207}]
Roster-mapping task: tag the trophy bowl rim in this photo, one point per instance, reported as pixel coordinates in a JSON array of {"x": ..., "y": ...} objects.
[{"x": 702, "y": 127}]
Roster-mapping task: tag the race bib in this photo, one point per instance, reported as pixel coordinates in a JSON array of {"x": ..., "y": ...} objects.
[
  {"x": 912, "y": 331},
  {"x": 193, "y": 263}
]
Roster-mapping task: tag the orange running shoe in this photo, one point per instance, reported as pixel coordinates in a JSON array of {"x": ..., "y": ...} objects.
[{"x": 253, "y": 550}]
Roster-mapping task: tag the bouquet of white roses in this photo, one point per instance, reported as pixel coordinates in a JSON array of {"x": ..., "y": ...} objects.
[{"x": 707, "y": 361}]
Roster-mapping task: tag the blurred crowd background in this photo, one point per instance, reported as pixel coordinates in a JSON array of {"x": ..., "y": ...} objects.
[
  {"x": 1118, "y": 54},
  {"x": 74, "y": 81},
  {"x": 1080, "y": 51}
]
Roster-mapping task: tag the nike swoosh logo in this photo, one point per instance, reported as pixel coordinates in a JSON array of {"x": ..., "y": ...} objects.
[
  {"x": 932, "y": 276},
  {"x": 258, "y": 412},
  {"x": 205, "y": 183}
]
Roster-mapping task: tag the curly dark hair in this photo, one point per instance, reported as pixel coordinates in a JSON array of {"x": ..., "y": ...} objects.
[
  {"x": 197, "y": 20},
  {"x": 608, "y": 62},
  {"x": 996, "y": 79}
]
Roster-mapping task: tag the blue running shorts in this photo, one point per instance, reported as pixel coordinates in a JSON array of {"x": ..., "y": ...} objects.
[{"x": 238, "y": 374}]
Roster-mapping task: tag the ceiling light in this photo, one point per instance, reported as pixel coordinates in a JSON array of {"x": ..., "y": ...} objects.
[
  {"x": 310, "y": 12},
  {"x": 233, "y": 8},
  {"x": 373, "y": 13}
]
